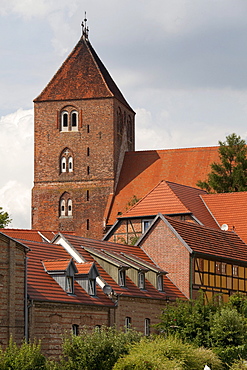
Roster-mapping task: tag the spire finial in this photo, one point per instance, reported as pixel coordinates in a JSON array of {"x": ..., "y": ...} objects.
[{"x": 85, "y": 29}]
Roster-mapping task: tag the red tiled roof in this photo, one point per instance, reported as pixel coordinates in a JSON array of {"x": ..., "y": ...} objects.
[
  {"x": 42, "y": 287},
  {"x": 84, "y": 268},
  {"x": 29, "y": 234},
  {"x": 142, "y": 171},
  {"x": 56, "y": 265},
  {"x": 161, "y": 199},
  {"x": 131, "y": 289},
  {"x": 218, "y": 243},
  {"x": 230, "y": 209},
  {"x": 81, "y": 76}
]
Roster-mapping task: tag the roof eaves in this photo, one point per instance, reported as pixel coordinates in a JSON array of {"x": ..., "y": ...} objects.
[
  {"x": 103, "y": 255},
  {"x": 136, "y": 265},
  {"x": 15, "y": 240}
]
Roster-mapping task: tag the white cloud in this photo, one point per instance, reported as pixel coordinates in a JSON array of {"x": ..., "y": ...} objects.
[{"x": 16, "y": 163}]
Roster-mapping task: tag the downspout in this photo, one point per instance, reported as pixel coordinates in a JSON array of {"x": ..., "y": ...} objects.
[{"x": 25, "y": 303}]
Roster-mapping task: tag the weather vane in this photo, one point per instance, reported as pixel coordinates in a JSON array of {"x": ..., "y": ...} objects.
[{"x": 85, "y": 28}]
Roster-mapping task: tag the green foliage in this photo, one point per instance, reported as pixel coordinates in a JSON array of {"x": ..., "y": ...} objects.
[
  {"x": 95, "y": 350},
  {"x": 189, "y": 320},
  {"x": 165, "y": 354},
  {"x": 228, "y": 328},
  {"x": 4, "y": 219},
  {"x": 26, "y": 357},
  {"x": 132, "y": 202},
  {"x": 230, "y": 175}
]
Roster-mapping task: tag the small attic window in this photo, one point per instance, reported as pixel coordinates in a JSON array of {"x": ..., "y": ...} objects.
[
  {"x": 122, "y": 277},
  {"x": 160, "y": 283},
  {"x": 141, "y": 280},
  {"x": 69, "y": 288},
  {"x": 92, "y": 287}
]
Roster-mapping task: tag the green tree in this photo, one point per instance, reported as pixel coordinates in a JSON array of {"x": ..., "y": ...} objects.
[
  {"x": 4, "y": 219},
  {"x": 230, "y": 174}
]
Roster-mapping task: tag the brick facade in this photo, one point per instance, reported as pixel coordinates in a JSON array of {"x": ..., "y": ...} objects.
[
  {"x": 103, "y": 133},
  {"x": 169, "y": 252},
  {"x": 12, "y": 290}
]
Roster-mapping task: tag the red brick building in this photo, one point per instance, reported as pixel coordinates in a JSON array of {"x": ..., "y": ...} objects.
[
  {"x": 86, "y": 171},
  {"x": 49, "y": 288}
]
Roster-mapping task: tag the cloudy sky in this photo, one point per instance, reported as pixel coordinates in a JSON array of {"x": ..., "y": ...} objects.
[{"x": 181, "y": 64}]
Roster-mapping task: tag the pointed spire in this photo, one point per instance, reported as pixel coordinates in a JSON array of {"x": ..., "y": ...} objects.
[{"x": 85, "y": 29}]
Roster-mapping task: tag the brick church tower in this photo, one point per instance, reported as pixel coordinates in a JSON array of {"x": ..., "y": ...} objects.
[{"x": 83, "y": 126}]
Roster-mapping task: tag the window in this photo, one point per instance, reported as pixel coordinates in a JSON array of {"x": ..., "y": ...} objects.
[
  {"x": 69, "y": 120},
  {"x": 141, "y": 280},
  {"x": 88, "y": 170},
  {"x": 121, "y": 277},
  {"x": 74, "y": 121},
  {"x": 69, "y": 207},
  {"x": 235, "y": 270},
  {"x": 145, "y": 225},
  {"x": 65, "y": 208},
  {"x": 87, "y": 196},
  {"x": 91, "y": 287},
  {"x": 66, "y": 161},
  {"x": 62, "y": 207},
  {"x": 147, "y": 327},
  {"x": 69, "y": 284},
  {"x": 127, "y": 322},
  {"x": 88, "y": 225},
  {"x": 64, "y": 121},
  {"x": 75, "y": 329},
  {"x": 70, "y": 162},
  {"x": 160, "y": 283},
  {"x": 88, "y": 152}
]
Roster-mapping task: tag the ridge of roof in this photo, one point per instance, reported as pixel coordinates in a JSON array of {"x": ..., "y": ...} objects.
[{"x": 90, "y": 78}]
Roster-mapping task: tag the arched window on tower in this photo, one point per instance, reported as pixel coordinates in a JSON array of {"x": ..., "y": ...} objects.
[
  {"x": 70, "y": 207},
  {"x": 74, "y": 121},
  {"x": 69, "y": 119},
  {"x": 66, "y": 161},
  {"x": 65, "y": 205},
  {"x": 62, "y": 207},
  {"x": 63, "y": 164},
  {"x": 64, "y": 121},
  {"x": 70, "y": 162}
]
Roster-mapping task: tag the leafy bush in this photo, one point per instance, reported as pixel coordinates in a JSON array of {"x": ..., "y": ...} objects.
[
  {"x": 228, "y": 328},
  {"x": 239, "y": 365},
  {"x": 189, "y": 320},
  {"x": 170, "y": 353},
  {"x": 95, "y": 350},
  {"x": 26, "y": 357}
]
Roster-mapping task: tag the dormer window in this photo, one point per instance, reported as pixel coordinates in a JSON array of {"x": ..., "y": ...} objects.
[
  {"x": 69, "y": 284},
  {"x": 160, "y": 283},
  {"x": 92, "y": 287},
  {"x": 62, "y": 271},
  {"x": 86, "y": 277},
  {"x": 141, "y": 280},
  {"x": 122, "y": 277}
]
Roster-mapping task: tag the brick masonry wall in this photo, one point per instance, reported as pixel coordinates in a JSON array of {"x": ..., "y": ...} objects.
[
  {"x": 50, "y": 322},
  {"x": 95, "y": 145},
  {"x": 139, "y": 309},
  {"x": 163, "y": 246},
  {"x": 12, "y": 283}
]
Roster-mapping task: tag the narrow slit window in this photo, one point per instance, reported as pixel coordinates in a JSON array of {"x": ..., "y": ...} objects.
[
  {"x": 88, "y": 129},
  {"x": 88, "y": 152},
  {"x": 87, "y": 195},
  {"x": 88, "y": 170},
  {"x": 88, "y": 225},
  {"x": 147, "y": 327}
]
